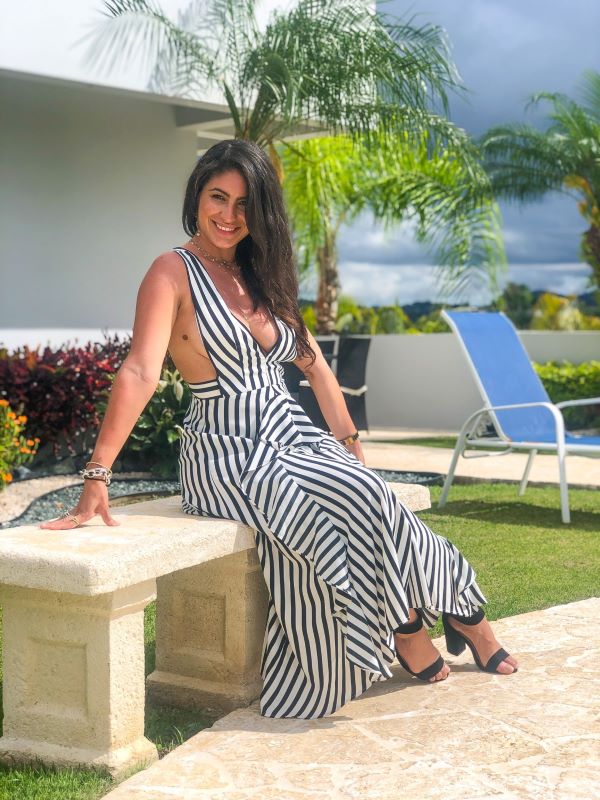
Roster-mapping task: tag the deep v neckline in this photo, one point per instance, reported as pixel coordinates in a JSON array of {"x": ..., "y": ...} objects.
[{"x": 235, "y": 318}]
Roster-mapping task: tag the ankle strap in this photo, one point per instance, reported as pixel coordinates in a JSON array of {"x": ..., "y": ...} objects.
[
  {"x": 474, "y": 619},
  {"x": 411, "y": 627}
]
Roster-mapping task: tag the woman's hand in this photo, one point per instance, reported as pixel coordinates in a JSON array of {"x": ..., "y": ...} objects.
[
  {"x": 93, "y": 500},
  {"x": 356, "y": 450}
]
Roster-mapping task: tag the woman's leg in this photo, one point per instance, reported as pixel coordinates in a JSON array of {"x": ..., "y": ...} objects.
[
  {"x": 418, "y": 651},
  {"x": 485, "y": 643}
]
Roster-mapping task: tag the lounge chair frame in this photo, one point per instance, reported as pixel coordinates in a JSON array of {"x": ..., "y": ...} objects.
[{"x": 469, "y": 438}]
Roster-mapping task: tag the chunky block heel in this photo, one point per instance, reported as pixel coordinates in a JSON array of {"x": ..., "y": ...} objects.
[
  {"x": 455, "y": 644},
  {"x": 457, "y": 641}
]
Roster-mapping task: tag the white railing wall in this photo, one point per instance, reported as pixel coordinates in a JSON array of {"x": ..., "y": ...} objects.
[
  {"x": 415, "y": 381},
  {"x": 424, "y": 381}
]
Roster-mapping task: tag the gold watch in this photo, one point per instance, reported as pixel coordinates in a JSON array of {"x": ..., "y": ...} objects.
[{"x": 349, "y": 439}]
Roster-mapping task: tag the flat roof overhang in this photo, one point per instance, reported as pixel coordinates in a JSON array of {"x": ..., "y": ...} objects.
[{"x": 212, "y": 121}]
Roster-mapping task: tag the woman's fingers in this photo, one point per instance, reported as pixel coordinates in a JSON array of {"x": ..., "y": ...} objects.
[
  {"x": 67, "y": 522},
  {"x": 108, "y": 519},
  {"x": 93, "y": 500}
]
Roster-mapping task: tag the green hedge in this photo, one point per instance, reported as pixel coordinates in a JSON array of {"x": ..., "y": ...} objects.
[{"x": 566, "y": 381}]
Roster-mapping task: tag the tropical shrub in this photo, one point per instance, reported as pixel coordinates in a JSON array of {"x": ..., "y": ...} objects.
[
  {"x": 61, "y": 388},
  {"x": 517, "y": 302},
  {"x": 566, "y": 381},
  {"x": 310, "y": 318},
  {"x": 354, "y": 318},
  {"x": 430, "y": 323},
  {"x": 16, "y": 449},
  {"x": 153, "y": 443},
  {"x": 552, "y": 312},
  {"x": 392, "y": 319}
]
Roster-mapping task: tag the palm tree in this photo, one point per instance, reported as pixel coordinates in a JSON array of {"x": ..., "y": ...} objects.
[
  {"x": 525, "y": 163},
  {"x": 331, "y": 180},
  {"x": 325, "y": 65}
]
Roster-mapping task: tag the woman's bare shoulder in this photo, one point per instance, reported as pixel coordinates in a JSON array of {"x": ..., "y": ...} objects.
[
  {"x": 167, "y": 266},
  {"x": 167, "y": 263}
]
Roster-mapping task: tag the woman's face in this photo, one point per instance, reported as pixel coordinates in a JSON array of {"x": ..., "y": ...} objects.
[{"x": 222, "y": 211}]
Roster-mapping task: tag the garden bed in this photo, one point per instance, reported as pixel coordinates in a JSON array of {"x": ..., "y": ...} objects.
[{"x": 123, "y": 491}]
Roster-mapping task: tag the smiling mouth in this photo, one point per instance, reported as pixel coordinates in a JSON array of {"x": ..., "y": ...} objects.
[{"x": 225, "y": 228}]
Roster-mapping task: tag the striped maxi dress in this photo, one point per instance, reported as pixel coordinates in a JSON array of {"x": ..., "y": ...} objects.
[{"x": 342, "y": 558}]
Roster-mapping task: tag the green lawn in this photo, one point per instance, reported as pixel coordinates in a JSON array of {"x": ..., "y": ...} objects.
[
  {"x": 525, "y": 559},
  {"x": 446, "y": 442},
  {"x": 167, "y": 727},
  {"x": 437, "y": 441}
]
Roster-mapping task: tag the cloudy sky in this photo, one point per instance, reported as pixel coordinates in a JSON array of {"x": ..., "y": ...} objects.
[{"x": 504, "y": 49}]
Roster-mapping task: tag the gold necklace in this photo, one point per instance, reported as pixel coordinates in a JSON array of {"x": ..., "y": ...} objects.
[
  {"x": 222, "y": 262},
  {"x": 231, "y": 267}
]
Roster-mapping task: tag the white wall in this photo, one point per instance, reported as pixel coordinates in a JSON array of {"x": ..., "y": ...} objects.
[
  {"x": 425, "y": 382},
  {"x": 91, "y": 188},
  {"x": 47, "y": 37}
]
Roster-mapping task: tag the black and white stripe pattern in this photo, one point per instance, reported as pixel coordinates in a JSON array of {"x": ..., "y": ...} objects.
[{"x": 342, "y": 558}]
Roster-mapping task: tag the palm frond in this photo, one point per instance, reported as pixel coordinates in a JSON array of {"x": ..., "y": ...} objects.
[
  {"x": 589, "y": 91},
  {"x": 335, "y": 62},
  {"x": 342, "y": 57},
  {"x": 140, "y": 28},
  {"x": 449, "y": 197},
  {"x": 524, "y": 163},
  {"x": 453, "y": 207}
]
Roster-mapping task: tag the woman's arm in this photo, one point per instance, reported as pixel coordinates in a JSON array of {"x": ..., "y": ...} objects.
[
  {"x": 135, "y": 382},
  {"x": 329, "y": 397},
  {"x": 138, "y": 376}
]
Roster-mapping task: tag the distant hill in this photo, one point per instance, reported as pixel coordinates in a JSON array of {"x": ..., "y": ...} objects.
[{"x": 588, "y": 303}]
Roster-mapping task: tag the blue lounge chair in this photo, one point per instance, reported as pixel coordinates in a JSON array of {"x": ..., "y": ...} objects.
[{"x": 517, "y": 411}]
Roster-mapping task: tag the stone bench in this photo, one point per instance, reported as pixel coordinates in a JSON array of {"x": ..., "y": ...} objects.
[{"x": 73, "y": 618}]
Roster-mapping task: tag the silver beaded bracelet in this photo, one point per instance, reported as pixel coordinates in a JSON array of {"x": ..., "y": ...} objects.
[{"x": 96, "y": 474}]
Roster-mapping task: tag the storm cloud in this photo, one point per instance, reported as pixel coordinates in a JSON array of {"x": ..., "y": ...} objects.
[{"x": 505, "y": 51}]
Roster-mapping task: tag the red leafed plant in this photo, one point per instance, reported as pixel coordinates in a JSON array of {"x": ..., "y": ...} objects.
[{"x": 60, "y": 388}]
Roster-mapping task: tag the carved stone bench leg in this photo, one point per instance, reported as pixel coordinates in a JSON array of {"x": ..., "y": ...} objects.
[
  {"x": 74, "y": 678},
  {"x": 210, "y": 624}
]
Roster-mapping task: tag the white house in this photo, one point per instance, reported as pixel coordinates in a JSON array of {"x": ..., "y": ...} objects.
[
  {"x": 92, "y": 183},
  {"x": 92, "y": 176}
]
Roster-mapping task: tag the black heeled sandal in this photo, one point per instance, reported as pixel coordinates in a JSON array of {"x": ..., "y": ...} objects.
[
  {"x": 432, "y": 669},
  {"x": 456, "y": 641}
]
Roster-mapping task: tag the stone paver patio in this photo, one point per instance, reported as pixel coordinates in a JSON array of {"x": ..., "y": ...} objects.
[
  {"x": 532, "y": 736},
  {"x": 581, "y": 471}
]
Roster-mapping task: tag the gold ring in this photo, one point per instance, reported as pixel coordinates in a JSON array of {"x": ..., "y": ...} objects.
[{"x": 74, "y": 517}]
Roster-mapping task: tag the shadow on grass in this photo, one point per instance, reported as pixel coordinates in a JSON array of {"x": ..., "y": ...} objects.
[
  {"x": 517, "y": 513},
  {"x": 168, "y": 727}
]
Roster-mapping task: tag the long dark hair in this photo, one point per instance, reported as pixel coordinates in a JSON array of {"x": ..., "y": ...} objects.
[{"x": 266, "y": 254}]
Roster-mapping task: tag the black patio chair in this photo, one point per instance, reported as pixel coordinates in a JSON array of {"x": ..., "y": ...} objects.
[
  {"x": 292, "y": 375},
  {"x": 347, "y": 356},
  {"x": 351, "y": 374},
  {"x": 299, "y": 387}
]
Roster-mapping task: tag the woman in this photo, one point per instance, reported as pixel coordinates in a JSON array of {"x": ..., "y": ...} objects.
[{"x": 352, "y": 574}]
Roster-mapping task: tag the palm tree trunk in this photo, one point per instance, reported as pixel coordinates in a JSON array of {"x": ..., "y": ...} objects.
[
  {"x": 329, "y": 282},
  {"x": 591, "y": 251},
  {"x": 276, "y": 161}
]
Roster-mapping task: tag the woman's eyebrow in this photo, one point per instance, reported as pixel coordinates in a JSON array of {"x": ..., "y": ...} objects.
[{"x": 216, "y": 189}]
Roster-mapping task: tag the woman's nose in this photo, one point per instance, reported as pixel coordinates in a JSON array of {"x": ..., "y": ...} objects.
[{"x": 232, "y": 213}]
